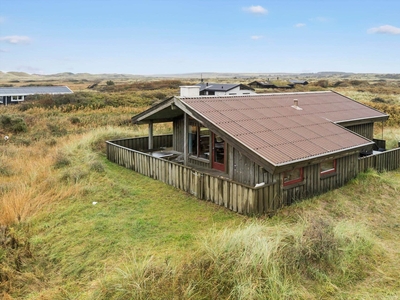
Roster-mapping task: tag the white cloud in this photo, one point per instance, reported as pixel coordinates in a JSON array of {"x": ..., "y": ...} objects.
[
  {"x": 300, "y": 25},
  {"x": 256, "y": 37},
  {"x": 386, "y": 29},
  {"x": 3, "y": 50},
  {"x": 256, "y": 9},
  {"x": 16, "y": 39}
]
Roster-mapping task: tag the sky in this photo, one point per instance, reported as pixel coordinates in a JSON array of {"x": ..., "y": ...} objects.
[{"x": 149, "y": 37}]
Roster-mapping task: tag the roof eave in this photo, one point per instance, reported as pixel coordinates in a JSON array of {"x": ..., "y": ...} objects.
[
  {"x": 320, "y": 157},
  {"x": 140, "y": 118},
  {"x": 360, "y": 121}
]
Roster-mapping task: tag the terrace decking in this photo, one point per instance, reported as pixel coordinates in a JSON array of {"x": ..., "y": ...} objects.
[{"x": 209, "y": 185}]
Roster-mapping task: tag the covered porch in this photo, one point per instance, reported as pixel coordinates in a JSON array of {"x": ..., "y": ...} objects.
[{"x": 205, "y": 184}]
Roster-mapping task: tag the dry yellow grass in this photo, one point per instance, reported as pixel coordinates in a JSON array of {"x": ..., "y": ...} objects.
[{"x": 30, "y": 183}]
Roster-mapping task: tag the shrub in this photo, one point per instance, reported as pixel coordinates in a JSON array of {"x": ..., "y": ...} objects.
[
  {"x": 96, "y": 166},
  {"x": 378, "y": 100},
  {"x": 74, "y": 120},
  {"x": 61, "y": 160},
  {"x": 13, "y": 124},
  {"x": 51, "y": 142},
  {"x": 74, "y": 175},
  {"x": 57, "y": 130},
  {"x": 322, "y": 83},
  {"x": 5, "y": 168},
  {"x": 18, "y": 125}
]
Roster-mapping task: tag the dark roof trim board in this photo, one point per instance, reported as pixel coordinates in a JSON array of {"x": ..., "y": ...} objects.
[
  {"x": 32, "y": 90},
  {"x": 139, "y": 118}
]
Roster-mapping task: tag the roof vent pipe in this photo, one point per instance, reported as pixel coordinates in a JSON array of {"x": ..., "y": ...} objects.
[{"x": 296, "y": 104}]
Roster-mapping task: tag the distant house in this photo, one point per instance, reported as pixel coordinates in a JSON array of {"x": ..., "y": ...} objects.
[
  {"x": 254, "y": 154},
  {"x": 221, "y": 89},
  {"x": 14, "y": 95},
  {"x": 299, "y": 82},
  {"x": 262, "y": 85},
  {"x": 268, "y": 85}
]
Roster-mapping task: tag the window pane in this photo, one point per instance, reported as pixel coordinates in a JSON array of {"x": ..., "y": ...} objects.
[
  {"x": 204, "y": 142},
  {"x": 192, "y": 140},
  {"x": 328, "y": 166},
  {"x": 219, "y": 146},
  {"x": 293, "y": 176}
]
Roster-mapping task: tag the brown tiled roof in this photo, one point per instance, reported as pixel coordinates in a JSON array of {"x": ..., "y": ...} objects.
[{"x": 269, "y": 125}]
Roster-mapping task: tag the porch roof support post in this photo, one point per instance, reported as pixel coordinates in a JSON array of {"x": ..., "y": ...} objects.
[
  {"x": 185, "y": 138},
  {"x": 151, "y": 135}
]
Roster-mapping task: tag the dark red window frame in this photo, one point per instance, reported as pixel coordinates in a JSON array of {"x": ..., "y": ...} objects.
[
  {"x": 296, "y": 180},
  {"x": 330, "y": 171}
]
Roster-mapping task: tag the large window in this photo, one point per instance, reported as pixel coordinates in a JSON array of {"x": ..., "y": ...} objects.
[
  {"x": 293, "y": 176},
  {"x": 328, "y": 167},
  {"x": 198, "y": 140}
]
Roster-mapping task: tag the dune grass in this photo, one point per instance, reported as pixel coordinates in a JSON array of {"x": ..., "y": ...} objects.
[
  {"x": 121, "y": 235},
  {"x": 75, "y": 226}
]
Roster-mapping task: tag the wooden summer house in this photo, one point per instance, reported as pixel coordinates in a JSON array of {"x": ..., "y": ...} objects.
[{"x": 256, "y": 153}]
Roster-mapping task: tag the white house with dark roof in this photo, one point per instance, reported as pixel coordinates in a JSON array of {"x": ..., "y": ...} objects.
[
  {"x": 13, "y": 95},
  {"x": 222, "y": 89}
]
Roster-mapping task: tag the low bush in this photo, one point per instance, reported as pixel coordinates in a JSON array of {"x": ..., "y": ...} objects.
[
  {"x": 6, "y": 168},
  {"x": 56, "y": 130},
  {"x": 13, "y": 124},
  {"x": 61, "y": 160}
]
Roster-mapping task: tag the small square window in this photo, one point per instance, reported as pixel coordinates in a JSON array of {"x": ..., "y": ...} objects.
[
  {"x": 328, "y": 167},
  {"x": 293, "y": 176}
]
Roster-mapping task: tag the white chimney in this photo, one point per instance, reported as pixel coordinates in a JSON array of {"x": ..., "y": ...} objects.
[{"x": 190, "y": 91}]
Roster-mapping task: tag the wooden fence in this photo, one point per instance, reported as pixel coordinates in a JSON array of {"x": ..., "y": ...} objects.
[
  {"x": 384, "y": 161},
  {"x": 222, "y": 191},
  {"x": 235, "y": 196},
  {"x": 142, "y": 143}
]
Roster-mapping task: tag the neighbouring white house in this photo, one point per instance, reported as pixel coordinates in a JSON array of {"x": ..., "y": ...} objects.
[
  {"x": 14, "y": 95},
  {"x": 222, "y": 89}
]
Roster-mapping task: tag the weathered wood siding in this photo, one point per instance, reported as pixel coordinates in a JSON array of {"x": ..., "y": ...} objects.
[
  {"x": 222, "y": 191},
  {"x": 142, "y": 143},
  {"x": 366, "y": 130},
  {"x": 243, "y": 170},
  {"x": 314, "y": 183},
  {"x": 384, "y": 161},
  {"x": 178, "y": 134},
  {"x": 203, "y": 163},
  {"x": 346, "y": 169}
]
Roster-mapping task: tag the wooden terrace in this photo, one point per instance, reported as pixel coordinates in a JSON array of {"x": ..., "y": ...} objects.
[{"x": 165, "y": 165}]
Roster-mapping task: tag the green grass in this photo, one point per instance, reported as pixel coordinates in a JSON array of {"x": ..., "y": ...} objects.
[
  {"x": 146, "y": 240},
  {"x": 133, "y": 213}
]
